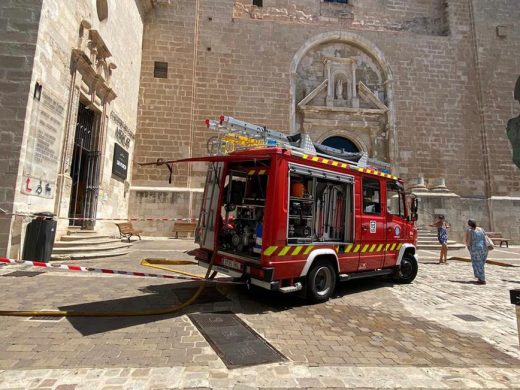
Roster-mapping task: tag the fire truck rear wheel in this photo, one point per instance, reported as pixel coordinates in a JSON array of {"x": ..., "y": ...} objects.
[
  {"x": 407, "y": 270},
  {"x": 321, "y": 281}
]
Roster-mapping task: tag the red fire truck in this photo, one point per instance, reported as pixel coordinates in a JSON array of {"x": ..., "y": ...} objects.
[{"x": 287, "y": 217}]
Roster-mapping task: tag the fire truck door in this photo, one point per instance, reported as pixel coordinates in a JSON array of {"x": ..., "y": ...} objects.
[
  {"x": 395, "y": 222},
  {"x": 373, "y": 225}
]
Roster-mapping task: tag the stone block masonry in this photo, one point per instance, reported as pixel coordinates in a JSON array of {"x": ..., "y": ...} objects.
[
  {"x": 18, "y": 33},
  {"x": 228, "y": 57}
]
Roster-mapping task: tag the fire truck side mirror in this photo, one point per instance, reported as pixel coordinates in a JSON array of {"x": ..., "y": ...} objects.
[{"x": 413, "y": 208}]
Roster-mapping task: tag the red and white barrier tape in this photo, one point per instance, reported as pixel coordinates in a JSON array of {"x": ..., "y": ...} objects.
[
  {"x": 100, "y": 270},
  {"x": 108, "y": 219}
]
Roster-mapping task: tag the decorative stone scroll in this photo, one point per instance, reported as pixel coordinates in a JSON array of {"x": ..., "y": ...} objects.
[{"x": 92, "y": 60}]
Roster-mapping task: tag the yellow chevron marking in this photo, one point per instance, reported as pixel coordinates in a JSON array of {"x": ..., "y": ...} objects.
[
  {"x": 343, "y": 165},
  {"x": 269, "y": 251},
  {"x": 335, "y": 163},
  {"x": 372, "y": 248},
  {"x": 324, "y": 161},
  {"x": 365, "y": 248},
  {"x": 296, "y": 250},
  {"x": 251, "y": 172},
  {"x": 336, "y": 249},
  {"x": 308, "y": 249},
  {"x": 387, "y": 246},
  {"x": 394, "y": 177},
  {"x": 393, "y": 246},
  {"x": 305, "y": 156},
  {"x": 284, "y": 251},
  {"x": 360, "y": 169},
  {"x": 399, "y": 246},
  {"x": 356, "y": 249},
  {"x": 262, "y": 172},
  {"x": 315, "y": 158},
  {"x": 379, "y": 247},
  {"x": 348, "y": 248}
]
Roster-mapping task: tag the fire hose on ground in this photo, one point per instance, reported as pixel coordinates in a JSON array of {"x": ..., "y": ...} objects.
[{"x": 154, "y": 263}]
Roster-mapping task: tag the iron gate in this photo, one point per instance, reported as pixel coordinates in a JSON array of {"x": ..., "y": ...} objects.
[{"x": 85, "y": 170}]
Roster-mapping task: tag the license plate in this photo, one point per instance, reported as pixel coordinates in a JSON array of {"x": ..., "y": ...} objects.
[{"x": 232, "y": 264}]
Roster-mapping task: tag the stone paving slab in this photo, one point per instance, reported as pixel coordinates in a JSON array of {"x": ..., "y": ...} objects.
[{"x": 273, "y": 377}]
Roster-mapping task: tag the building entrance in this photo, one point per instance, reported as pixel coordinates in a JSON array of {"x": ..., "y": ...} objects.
[{"x": 85, "y": 170}]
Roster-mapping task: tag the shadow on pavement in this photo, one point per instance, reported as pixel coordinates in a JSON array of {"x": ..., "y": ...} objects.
[{"x": 163, "y": 296}]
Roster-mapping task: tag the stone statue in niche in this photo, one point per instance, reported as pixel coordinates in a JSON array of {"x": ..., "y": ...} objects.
[
  {"x": 339, "y": 89},
  {"x": 513, "y": 128}
]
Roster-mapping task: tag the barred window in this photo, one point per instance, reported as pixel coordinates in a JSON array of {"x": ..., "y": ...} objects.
[{"x": 258, "y": 3}]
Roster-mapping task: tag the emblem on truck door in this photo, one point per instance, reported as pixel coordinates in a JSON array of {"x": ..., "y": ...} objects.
[
  {"x": 397, "y": 230},
  {"x": 373, "y": 226}
]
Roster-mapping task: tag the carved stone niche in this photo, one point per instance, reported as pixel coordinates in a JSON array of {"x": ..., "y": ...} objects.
[
  {"x": 341, "y": 79},
  {"x": 92, "y": 60},
  {"x": 341, "y": 103}
]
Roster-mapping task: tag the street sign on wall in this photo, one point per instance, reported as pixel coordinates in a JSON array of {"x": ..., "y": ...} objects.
[{"x": 120, "y": 163}]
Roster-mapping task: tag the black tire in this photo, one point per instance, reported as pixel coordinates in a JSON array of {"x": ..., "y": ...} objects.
[
  {"x": 320, "y": 281},
  {"x": 407, "y": 270}
]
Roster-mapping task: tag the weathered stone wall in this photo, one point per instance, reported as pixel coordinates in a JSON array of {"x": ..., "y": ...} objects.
[
  {"x": 18, "y": 33},
  {"x": 58, "y": 35},
  {"x": 497, "y": 34},
  {"x": 162, "y": 204},
  {"x": 229, "y": 57}
]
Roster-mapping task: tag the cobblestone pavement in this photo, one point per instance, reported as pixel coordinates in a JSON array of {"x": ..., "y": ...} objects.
[{"x": 439, "y": 332}]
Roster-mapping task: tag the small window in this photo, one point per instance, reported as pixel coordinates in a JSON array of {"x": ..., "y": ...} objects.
[
  {"x": 371, "y": 196},
  {"x": 160, "y": 70},
  {"x": 258, "y": 3},
  {"x": 395, "y": 199}
]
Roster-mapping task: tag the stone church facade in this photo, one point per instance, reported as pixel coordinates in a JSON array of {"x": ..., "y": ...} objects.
[{"x": 424, "y": 88}]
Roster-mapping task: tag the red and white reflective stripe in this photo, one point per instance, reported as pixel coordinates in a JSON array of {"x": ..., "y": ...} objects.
[
  {"x": 108, "y": 219},
  {"x": 98, "y": 270}
]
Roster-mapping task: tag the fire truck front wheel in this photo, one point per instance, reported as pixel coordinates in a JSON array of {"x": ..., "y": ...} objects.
[
  {"x": 407, "y": 270},
  {"x": 321, "y": 281}
]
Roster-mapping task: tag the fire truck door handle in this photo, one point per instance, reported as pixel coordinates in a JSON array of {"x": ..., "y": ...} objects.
[
  {"x": 389, "y": 230},
  {"x": 364, "y": 228}
]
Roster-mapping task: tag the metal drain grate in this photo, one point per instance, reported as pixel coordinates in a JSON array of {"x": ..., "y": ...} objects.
[
  {"x": 234, "y": 342},
  {"x": 469, "y": 318},
  {"x": 19, "y": 274},
  {"x": 45, "y": 319}
]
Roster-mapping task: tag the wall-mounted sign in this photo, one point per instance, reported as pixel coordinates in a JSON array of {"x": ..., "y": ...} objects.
[
  {"x": 122, "y": 133},
  {"x": 120, "y": 163}
]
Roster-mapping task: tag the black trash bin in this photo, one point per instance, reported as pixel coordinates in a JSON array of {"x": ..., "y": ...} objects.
[{"x": 39, "y": 237}]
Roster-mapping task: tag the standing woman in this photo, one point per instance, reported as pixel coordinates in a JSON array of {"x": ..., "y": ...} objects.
[
  {"x": 476, "y": 243},
  {"x": 442, "y": 235}
]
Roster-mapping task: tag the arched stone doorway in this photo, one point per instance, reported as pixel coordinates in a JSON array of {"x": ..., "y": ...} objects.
[{"x": 341, "y": 84}]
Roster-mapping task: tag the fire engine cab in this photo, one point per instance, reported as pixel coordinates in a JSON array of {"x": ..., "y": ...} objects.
[{"x": 285, "y": 216}]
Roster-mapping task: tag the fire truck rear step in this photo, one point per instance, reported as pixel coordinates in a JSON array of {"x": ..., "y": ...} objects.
[
  {"x": 367, "y": 274},
  {"x": 289, "y": 289}
]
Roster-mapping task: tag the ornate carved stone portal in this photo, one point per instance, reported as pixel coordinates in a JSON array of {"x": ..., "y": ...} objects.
[{"x": 340, "y": 91}]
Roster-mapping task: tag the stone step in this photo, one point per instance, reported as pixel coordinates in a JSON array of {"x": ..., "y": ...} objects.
[
  {"x": 89, "y": 255},
  {"x": 420, "y": 241},
  {"x": 438, "y": 246},
  {"x": 86, "y": 241},
  {"x": 76, "y": 237},
  {"x": 90, "y": 248},
  {"x": 79, "y": 231}
]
